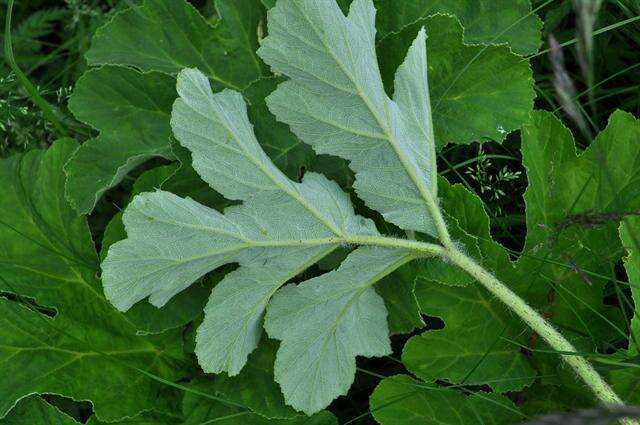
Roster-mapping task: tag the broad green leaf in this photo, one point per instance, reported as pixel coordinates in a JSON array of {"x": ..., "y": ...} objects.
[
  {"x": 473, "y": 347},
  {"x": 630, "y": 235},
  {"x": 400, "y": 400},
  {"x": 624, "y": 381},
  {"x": 169, "y": 35},
  {"x": 566, "y": 189},
  {"x": 339, "y": 316},
  {"x": 574, "y": 204},
  {"x": 477, "y": 92},
  {"x": 198, "y": 410},
  {"x": 396, "y": 290},
  {"x": 34, "y": 410},
  {"x": 255, "y": 387},
  {"x": 50, "y": 258},
  {"x": 389, "y": 143},
  {"x": 484, "y": 21},
  {"x": 172, "y": 241},
  {"x": 144, "y": 418},
  {"x": 131, "y": 110}
]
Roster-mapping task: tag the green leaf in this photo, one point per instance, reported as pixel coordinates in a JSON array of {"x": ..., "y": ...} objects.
[
  {"x": 573, "y": 206},
  {"x": 396, "y": 290},
  {"x": 169, "y": 35},
  {"x": 198, "y": 410},
  {"x": 484, "y": 21},
  {"x": 477, "y": 92},
  {"x": 255, "y": 387},
  {"x": 399, "y": 400},
  {"x": 630, "y": 235},
  {"x": 34, "y": 410},
  {"x": 568, "y": 190},
  {"x": 131, "y": 111},
  {"x": 50, "y": 265},
  {"x": 389, "y": 143},
  {"x": 340, "y": 317}
]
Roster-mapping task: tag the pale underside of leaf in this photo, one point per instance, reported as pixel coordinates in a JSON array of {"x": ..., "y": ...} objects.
[
  {"x": 337, "y": 317},
  {"x": 335, "y": 101},
  {"x": 173, "y": 241}
]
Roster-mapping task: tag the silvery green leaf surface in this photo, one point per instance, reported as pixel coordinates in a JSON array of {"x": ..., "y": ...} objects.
[
  {"x": 337, "y": 317},
  {"x": 336, "y": 102},
  {"x": 172, "y": 241}
]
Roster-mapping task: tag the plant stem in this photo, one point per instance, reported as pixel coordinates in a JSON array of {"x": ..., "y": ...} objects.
[
  {"x": 31, "y": 90},
  {"x": 582, "y": 367}
]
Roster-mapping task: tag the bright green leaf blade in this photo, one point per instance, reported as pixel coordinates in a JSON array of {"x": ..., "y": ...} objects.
[
  {"x": 50, "y": 257},
  {"x": 470, "y": 348},
  {"x": 325, "y": 322},
  {"x": 388, "y": 142},
  {"x": 484, "y": 21},
  {"x": 131, "y": 110},
  {"x": 255, "y": 386},
  {"x": 573, "y": 206},
  {"x": 198, "y": 410},
  {"x": 605, "y": 179},
  {"x": 34, "y": 410},
  {"x": 396, "y": 290},
  {"x": 400, "y": 400},
  {"x": 477, "y": 92},
  {"x": 173, "y": 241},
  {"x": 169, "y": 35},
  {"x": 630, "y": 235}
]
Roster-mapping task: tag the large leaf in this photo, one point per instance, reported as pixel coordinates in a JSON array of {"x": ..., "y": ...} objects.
[
  {"x": 484, "y": 21},
  {"x": 630, "y": 235},
  {"x": 336, "y": 103},
  {"x": 34, "y": 410},
  {"x": 569, "y": 190},
  {"x": 169, "y": 35},
  {"x": 49, "y": 257},
  {"x": 172, "y": 241},
  {"x": 574, "y": 204},
  {"x": 198, "y": 410},
  {"x": 131, "y": 110},
  {"x": 389, "y": 143},
  {"x": 400, "y": 400},
  {"x": 477, "y": 92}
]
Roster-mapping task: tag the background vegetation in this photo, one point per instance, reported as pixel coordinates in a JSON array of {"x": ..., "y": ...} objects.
[{"x": 587, "y": 67}]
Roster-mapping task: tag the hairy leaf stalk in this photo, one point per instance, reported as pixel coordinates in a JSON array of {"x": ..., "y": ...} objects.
[{"x": 542, "y": 327}]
